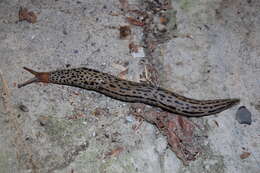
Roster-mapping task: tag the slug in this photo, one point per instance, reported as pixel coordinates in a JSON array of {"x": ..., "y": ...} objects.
[{"x": 130, "y": 91}]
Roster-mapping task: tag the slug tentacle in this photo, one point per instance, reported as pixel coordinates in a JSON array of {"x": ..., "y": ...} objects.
[
  {"x": 130, "y": 91},
  {"x": 39, "y": 77}
]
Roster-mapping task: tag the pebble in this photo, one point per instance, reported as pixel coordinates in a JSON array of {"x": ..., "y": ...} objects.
[
  {"x": 243, "y": 115},
  {"x": 23, "y": 108}
]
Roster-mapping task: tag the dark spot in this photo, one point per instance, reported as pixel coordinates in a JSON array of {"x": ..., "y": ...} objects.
[
  {"x": 135, "y": 84},
  {"x": 112, "y": 86},
  {"x": 212, "y": 111},
  {"x": 172, "y": 108},
  {"x": 117, "y": 81},
  {"x": 177, "y": 102},
  {"x": 194, "y": 107},
  {"x": 162, "y": 95},
  {"x": 192, "y": 113},
  {"x": 125, "y": 88},
  {"x": 173, "y": 94}
]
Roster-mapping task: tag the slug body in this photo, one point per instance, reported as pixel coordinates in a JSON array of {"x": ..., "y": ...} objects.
[{"x": 130, "y": 91}]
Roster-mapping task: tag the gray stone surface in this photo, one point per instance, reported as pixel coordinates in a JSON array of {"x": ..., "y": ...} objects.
[{"x": 221, "y": 60}]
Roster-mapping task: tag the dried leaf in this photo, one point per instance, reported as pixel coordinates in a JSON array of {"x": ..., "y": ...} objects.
[
  {"x": 124, "y": 31},
  {"x": 100, "y": 111},
  {"x": 114, "y": 14},
  {"x": 122, "y": 74},
  {"x": 119, "y": 67},
  {"x": 244, "y": 155},
  {"x": 114, "y": 152},
  {"x": 135, "y": 21},
  {"x": 75, "y": 93},
  {"x": 179, "y": 131},
  {"x": 29, "y": 16},
  {"x": 164, "y": 20}
]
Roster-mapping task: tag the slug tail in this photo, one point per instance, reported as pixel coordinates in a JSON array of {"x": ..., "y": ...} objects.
[
  {"x": 234, "y": 102},
  {"x": 212, "y": 107},
  {"x": 222, "y": 107},
  {"x": 39, "y": 77}
]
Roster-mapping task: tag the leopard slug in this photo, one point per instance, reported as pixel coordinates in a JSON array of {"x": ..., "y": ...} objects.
[{"x": 130, "y": 91}]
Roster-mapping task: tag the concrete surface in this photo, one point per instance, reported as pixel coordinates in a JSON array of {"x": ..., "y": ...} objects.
[{"x": 72, "y": 130}]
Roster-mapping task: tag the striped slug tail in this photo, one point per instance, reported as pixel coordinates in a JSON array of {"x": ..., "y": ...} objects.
[
  {"x": 38, "y": 77},
  {"x": 234, "y": 102},
  {"x": 224, "y": 105}
]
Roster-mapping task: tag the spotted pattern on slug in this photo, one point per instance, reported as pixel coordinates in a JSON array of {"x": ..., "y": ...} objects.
[{"x": 130, "y": 91}]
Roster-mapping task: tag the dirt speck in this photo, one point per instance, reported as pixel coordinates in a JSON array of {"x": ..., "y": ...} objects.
[{"x": 125, "y": 31}]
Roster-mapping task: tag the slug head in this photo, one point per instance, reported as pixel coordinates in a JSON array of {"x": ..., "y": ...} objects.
[{"x": 38, "y": 77}]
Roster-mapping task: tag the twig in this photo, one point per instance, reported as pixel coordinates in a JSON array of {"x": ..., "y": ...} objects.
[{"x": 17, "y": 140}]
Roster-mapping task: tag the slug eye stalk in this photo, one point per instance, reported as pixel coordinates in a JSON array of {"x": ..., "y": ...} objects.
[{"x": 38, "y": 77}]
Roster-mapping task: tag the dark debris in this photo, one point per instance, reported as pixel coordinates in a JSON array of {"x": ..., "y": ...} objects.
[
  {"x": 26, "y": 15},
  {"x": 125, "y": 31},
  {"x": 179, "y": 131}
]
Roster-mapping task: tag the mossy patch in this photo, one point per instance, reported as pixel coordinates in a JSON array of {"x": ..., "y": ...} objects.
[
  {"x": 62, "y": 131},
  {"x": 185, "y": 4}
]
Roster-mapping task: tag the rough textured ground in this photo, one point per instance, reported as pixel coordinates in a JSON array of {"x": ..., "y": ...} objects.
[{"x": 211, "y": 49}]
